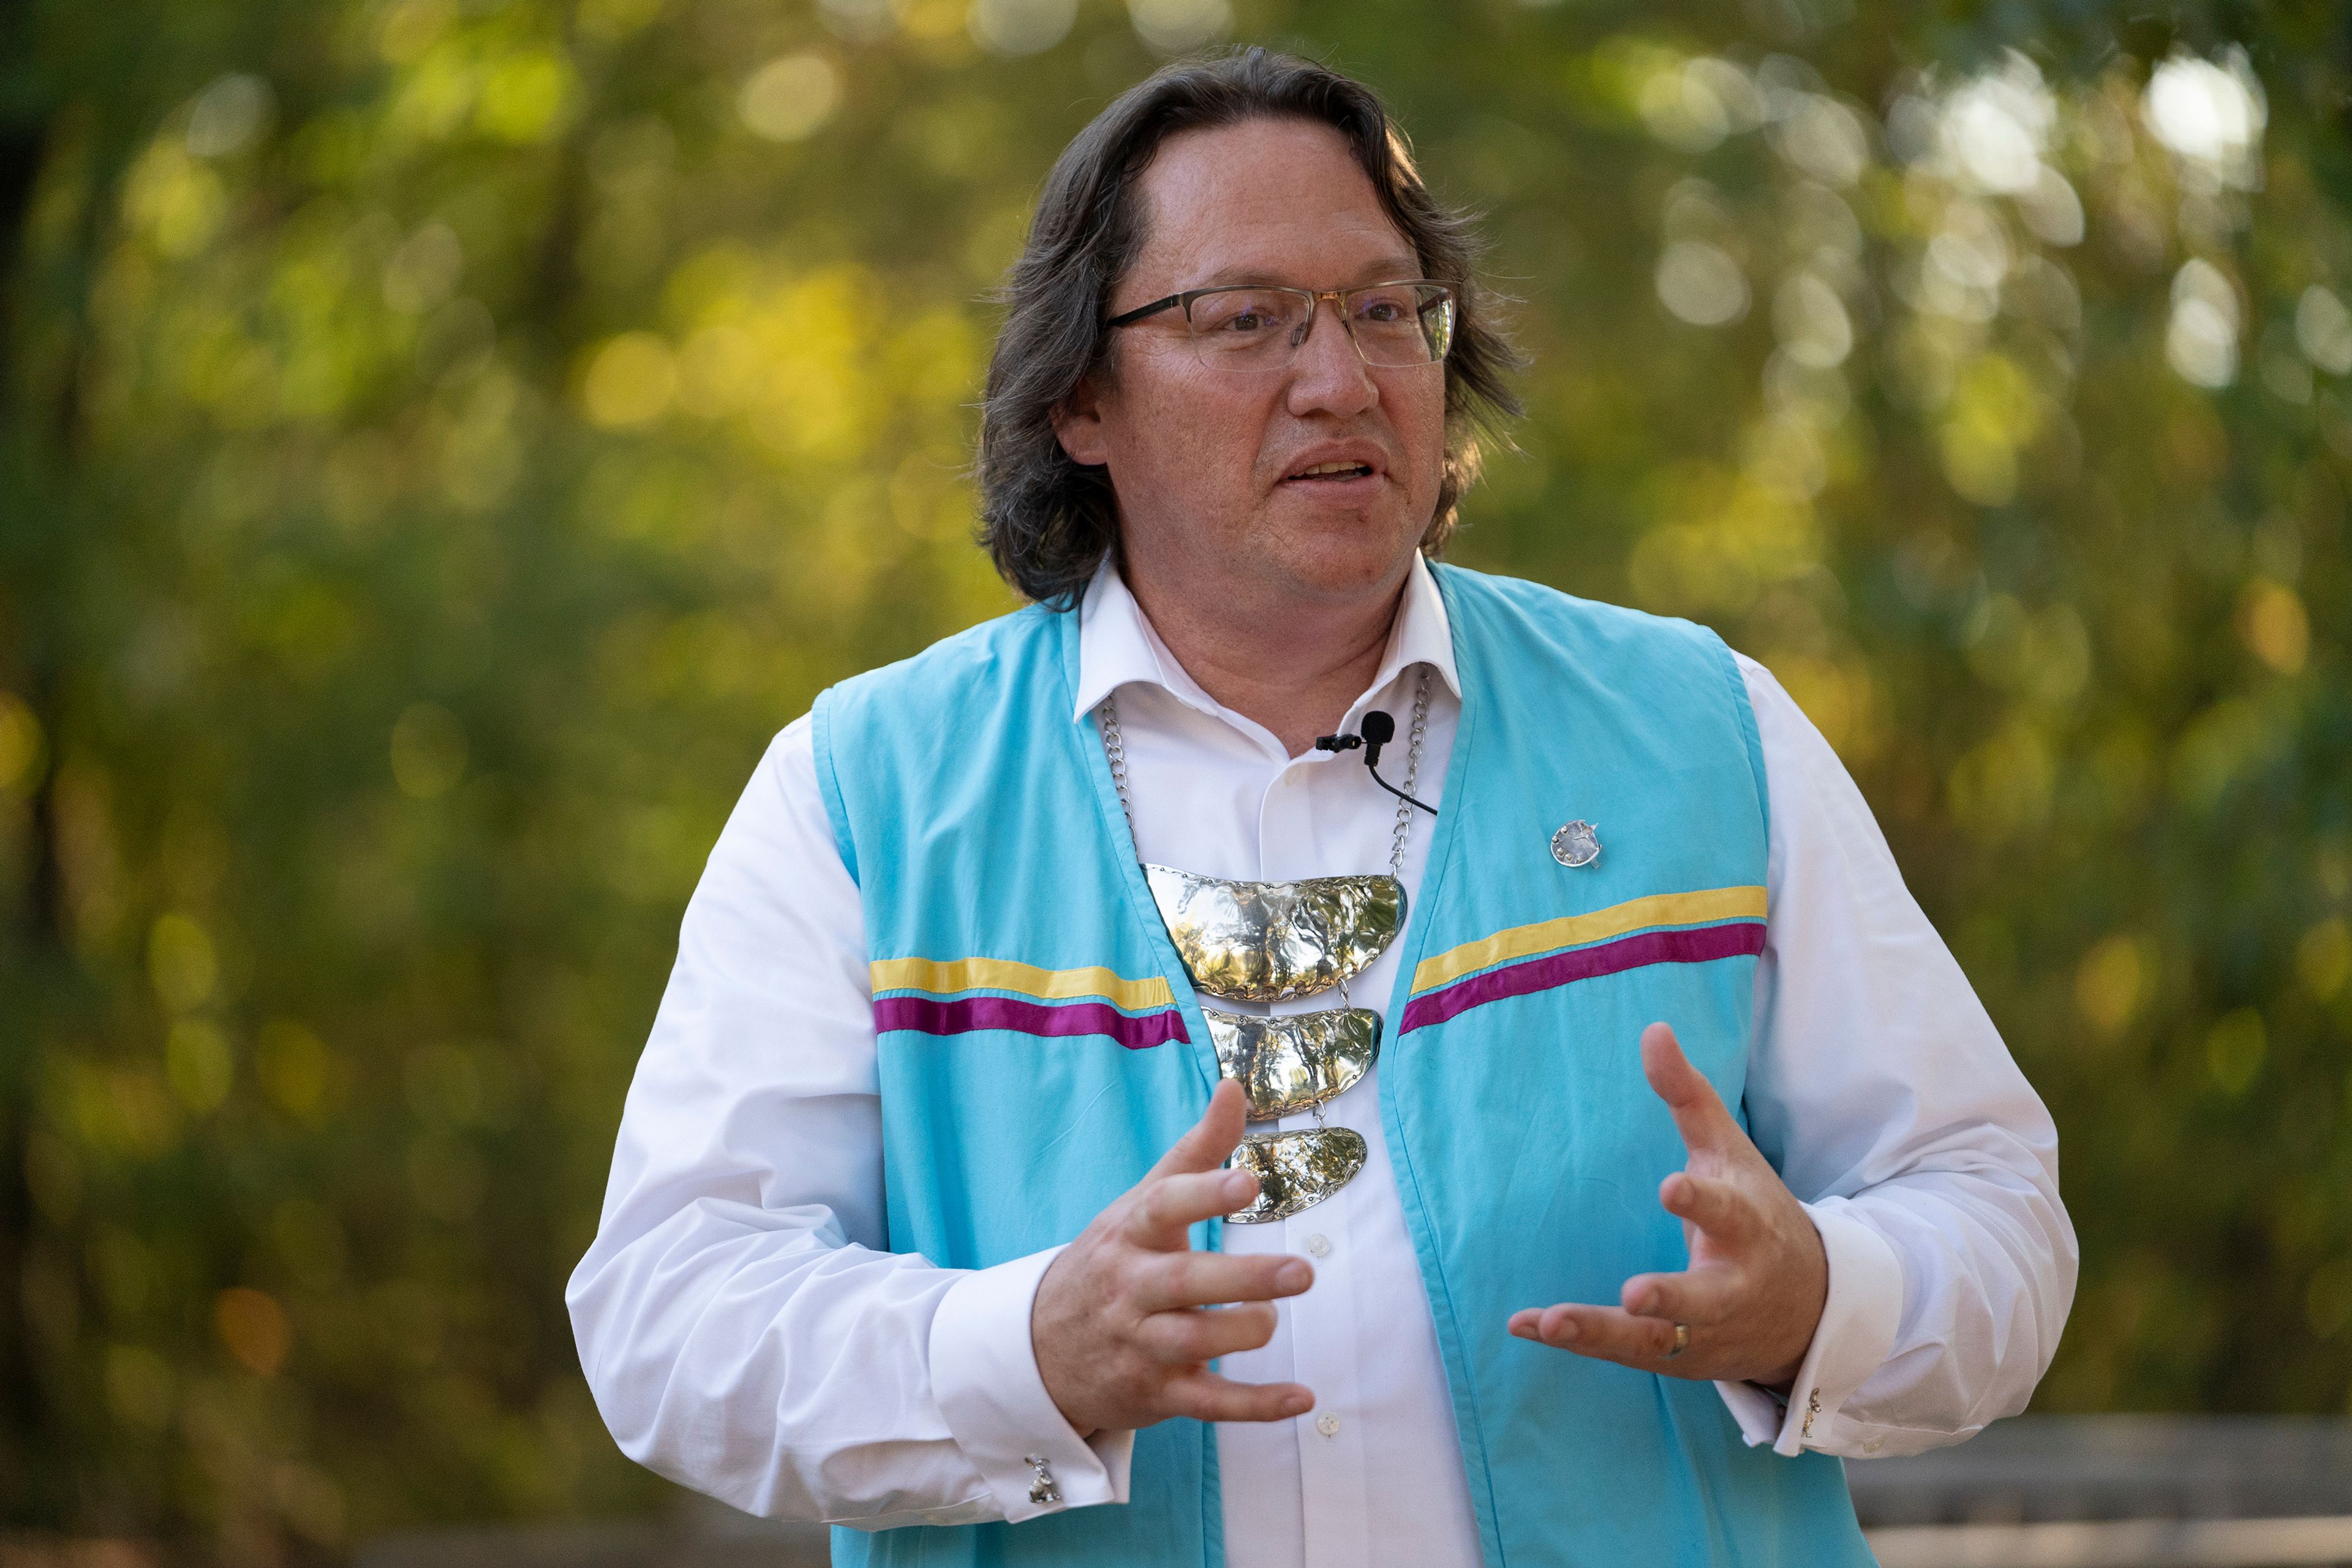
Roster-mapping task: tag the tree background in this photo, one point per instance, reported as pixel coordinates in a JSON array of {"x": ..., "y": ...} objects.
[{"x": 442, "y": 440}]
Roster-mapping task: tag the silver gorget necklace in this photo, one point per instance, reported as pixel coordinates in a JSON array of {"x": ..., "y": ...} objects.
[{"x": 1272, "y": 942}]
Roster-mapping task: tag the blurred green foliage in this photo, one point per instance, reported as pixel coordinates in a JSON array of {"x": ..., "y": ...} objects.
[{"x": 443, "y": 439}]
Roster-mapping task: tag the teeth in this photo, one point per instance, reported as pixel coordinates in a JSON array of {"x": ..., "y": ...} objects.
[{"x": 1331, "y": 468}]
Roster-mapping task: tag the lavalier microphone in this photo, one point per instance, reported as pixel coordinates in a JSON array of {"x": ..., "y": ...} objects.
[{"x": 1377, "y": 730}]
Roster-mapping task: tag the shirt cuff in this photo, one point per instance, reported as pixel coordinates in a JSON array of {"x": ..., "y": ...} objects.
[
  {"x": 1863, "y": 1308},
  {"x": 985, "y": 1375}
]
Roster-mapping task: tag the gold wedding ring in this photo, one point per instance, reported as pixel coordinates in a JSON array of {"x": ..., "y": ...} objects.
[{"x": 1682, "y": 1341}]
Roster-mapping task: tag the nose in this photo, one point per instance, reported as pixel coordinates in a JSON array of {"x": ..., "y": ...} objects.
[{"x": 1330, "y": 376}]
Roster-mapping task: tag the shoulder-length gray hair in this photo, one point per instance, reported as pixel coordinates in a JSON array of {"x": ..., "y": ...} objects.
[{"x": 1046, "y": 520}]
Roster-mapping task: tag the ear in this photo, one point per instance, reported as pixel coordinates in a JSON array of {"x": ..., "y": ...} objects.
[{"x": 1078, "y": 426}]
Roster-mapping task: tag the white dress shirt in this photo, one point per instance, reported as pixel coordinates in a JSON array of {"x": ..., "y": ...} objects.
[{"x": 745, "y": 1333}]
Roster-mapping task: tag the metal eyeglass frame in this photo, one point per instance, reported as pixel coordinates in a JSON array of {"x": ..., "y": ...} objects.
[{"x": 1314, "y": 298}]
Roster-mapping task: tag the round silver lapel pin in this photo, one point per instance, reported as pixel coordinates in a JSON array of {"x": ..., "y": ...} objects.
[{"x": 1578, "y": 843}]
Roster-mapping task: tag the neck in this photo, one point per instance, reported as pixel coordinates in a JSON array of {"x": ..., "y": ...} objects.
[{"x": 1294, "y": 666}]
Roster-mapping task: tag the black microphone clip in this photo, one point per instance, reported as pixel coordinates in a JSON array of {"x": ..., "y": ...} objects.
[{"x": 1377, "y": 730}]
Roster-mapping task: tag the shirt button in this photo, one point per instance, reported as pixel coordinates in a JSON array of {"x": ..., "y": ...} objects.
[
  {"x": 1320, "y": 1245},
  {"x": 1873, "y": 1445},
  {"x": 1328, "y": 1424}
]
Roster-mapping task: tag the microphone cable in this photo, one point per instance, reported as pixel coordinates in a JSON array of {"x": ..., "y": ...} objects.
[{"x": 1378, "y": 730}]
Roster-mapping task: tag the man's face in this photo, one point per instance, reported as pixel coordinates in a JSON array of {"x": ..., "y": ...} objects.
[{"x": 1206, "y": 462}]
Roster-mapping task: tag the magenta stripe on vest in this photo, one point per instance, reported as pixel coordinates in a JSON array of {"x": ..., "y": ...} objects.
[
  {"x": 1694, "y": 946},
  {"x": 930, "y": 1016}
]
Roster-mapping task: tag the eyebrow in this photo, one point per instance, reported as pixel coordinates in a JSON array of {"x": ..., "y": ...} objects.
[{"x": 1388, "y": 270}]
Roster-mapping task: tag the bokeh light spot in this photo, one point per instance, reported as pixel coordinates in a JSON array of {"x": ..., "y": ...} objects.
[
  {"x": 2110, "y": 982},
  {"x": 1812, "y": 322},
  {"x": 1702, "y": 284},
  {"x": 2323, "y": 330},
  {"x": 2201, "y": 342},
  {"x": 177, "y": 202},
  {"x": 526, "y": 98},
  {"x": 863, "y": 21},
  {"x": 229, "y": 115},
  {"x": 611, "y": 21},
  {"x": 1823, "y": 138},
  {"x": 1021, "y": 26},
  {"x": 791, "y": 96},
  {"x": 2208, "y": 113},
  {"x": 253, "y": 1328},
  {"x": 630, "y": 381},
  {"x": 21, "y": 751},
  {"x": 181, "y": 961},
  {"x": 422, "y": 272},
  {"x": 2236, "y": 1048},
  {"x": 428, "y": 751},
  {"x": 198, "y": 1060},
  {"x": 1172, "y": 26},
  {"x": 2323, "y": 959},
  {"x": 2272, "y": 620},
  {"x": 2327, "y": 1299},
  {"x": 406, "y": 28},
  {"x": 295, "y": 1068},
  {"x": 2001, "y": 789},
  {"x": 1695, "y": 105}
]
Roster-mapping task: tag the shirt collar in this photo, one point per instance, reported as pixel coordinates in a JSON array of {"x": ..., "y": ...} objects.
[{"x": 1117, "y": 644}]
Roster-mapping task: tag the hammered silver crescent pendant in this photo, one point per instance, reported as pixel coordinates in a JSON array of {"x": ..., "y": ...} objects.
[
  {"x": 1272, "y": 942},
  {"x": 1289, "y": 1065},
  {"x": 1297, "y": 1061},
  {"x": 1296, "y": 1170},
  {"x": 1269, "y": 942}
]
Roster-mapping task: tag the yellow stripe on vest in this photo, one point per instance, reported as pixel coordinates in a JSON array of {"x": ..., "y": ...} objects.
[
  {"x": 1573, "y": 930},
  {"x": 1005, "y": 975}
]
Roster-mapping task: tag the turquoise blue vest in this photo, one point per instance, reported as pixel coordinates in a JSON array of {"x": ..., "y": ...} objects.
[{"x": 1040, "y": 1045}]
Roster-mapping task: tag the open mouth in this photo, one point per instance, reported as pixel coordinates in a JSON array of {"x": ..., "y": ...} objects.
[{"x": 1323, "y": 472}]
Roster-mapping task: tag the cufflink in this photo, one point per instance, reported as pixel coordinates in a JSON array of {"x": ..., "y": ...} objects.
[{"x": 1042, "y": 1490}]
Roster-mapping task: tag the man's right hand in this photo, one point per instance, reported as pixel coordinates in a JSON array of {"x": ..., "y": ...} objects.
[{"x": 1127, "y": 1319}]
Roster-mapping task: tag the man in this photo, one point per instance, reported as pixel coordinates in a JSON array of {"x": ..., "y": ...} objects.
[{"x": 1625, "y": 1143}]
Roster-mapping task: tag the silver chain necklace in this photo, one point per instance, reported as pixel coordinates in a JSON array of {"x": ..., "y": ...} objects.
[{"x": 1115, "y": 751}]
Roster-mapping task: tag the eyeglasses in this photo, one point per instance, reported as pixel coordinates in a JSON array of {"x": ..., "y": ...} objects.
[{"x": 1253, "y": 326}]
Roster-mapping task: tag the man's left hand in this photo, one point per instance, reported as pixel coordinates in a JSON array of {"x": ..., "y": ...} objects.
[{"x": 1757, "y": 1278}]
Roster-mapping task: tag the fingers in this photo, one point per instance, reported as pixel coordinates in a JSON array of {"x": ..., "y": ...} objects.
[
  {"x": 1213, "y": 1279},
  {"x": 1163, "y": 1209},
  {"x": 1206, "y": 1396},
  {"x": 1720, "y": 1208},
  {"x": 1210, "y": 1141},
  {"x": 1698, "y": 1111},
  {"x": 1701, "y": 1296},
  {"x": 1605, "y": 1333},
  {"x": 1190, "y": 1334}
]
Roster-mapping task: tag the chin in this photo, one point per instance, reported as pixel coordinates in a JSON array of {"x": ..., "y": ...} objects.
[{"x": 1341, "y": 558}]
